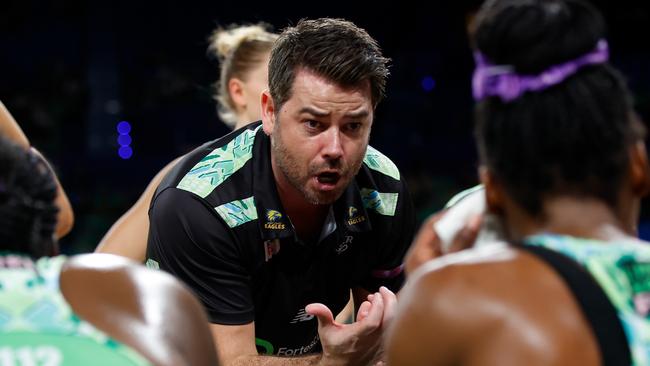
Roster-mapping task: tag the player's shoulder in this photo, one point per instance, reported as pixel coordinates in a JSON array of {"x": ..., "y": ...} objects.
[
  {"x": 492, "y": 301},
  {"x": 132, "y": 303},
  {"x": 509, "y": 280},
  {"x": 465, "y": 270}
]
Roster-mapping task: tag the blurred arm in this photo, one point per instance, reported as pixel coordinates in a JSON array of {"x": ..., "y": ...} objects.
[
  {"x": 139, "y": 306},
  {"x": 10, "y": 128}
]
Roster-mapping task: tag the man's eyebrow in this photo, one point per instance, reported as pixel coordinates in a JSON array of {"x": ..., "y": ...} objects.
[
  {"x": 319, "y": 113},
  {"x": 358, "y": 114},
  {"x": 314, "y": 112}
]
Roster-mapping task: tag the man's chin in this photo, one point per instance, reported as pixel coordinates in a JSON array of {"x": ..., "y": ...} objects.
[{"x": 323, "y": 197}]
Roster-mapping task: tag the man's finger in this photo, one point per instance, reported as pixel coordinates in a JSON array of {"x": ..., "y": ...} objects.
[
  {"x": 321, "y": 312},
  {"x": 376, "y": 312},
  {"x": 363, "y": 310},
  {"x": 390, "y": 303}
]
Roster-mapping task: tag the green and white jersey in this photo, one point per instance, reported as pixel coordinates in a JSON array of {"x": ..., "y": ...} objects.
[
  {"x": 38, "y": 327},
  {"x": 622, "y": 269}
]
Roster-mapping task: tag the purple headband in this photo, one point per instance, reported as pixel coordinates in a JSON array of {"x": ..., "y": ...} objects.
[{"x": 502, "y": 80}]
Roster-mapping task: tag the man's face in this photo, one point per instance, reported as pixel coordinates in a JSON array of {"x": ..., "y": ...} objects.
[{"x": 319, "y": 136}]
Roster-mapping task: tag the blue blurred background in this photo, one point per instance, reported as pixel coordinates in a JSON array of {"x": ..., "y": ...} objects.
[{"x": 71, "y": 71}]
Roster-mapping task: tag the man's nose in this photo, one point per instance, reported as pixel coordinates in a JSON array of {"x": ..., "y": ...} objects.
[{"x": 332, "y": 148}]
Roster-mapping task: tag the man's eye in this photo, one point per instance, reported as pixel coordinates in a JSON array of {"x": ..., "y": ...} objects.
[
  {"x": 312, "y": 124},
  {"x": 354, "y": 126}
]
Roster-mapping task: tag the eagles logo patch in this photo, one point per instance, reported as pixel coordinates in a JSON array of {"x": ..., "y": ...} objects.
[
  {"x": 274, "y": 220},
  {"x": 353, "y": 217}
]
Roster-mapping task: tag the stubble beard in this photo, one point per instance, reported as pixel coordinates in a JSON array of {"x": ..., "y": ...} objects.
[{"x": 291, "y": 170}]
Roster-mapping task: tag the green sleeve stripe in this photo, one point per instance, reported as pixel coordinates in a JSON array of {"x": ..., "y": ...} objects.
[
  {"x": 238, "y": 212},
  {"x": 219, "y": 165},
  {"x": 384, "y": 203}
]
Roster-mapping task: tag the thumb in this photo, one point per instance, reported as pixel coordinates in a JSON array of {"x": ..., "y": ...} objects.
[{"x": 321, "y": 312}]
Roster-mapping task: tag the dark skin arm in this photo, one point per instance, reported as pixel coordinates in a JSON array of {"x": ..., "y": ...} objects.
[{"x": 145, "y": 309}]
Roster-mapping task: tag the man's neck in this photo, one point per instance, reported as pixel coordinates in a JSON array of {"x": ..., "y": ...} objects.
[
  {"x": 308, "y": 221},
  {"x": 307, "y": 218}
]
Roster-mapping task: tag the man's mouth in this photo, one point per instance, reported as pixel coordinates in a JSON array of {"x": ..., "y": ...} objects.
[{"x": 328, "y": 178}]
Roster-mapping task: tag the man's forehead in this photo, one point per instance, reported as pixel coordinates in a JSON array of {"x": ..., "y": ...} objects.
[
  {"x": 308, "y": 84},
  {"x": 307, "y": 75}
]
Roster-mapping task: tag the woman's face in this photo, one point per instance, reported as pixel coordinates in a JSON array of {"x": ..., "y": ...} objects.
[{"x": 256, "y": 82}]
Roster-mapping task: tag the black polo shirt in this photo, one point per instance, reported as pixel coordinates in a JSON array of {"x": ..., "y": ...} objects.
[{"x": 217, "y": 223}]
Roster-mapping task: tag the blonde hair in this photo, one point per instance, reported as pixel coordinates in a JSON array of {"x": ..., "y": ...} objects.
[{"x": 239, "y": 49}]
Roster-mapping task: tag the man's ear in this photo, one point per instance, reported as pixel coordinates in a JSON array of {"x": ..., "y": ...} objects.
[
  {"x": 639, "y": 170},
  {"x": 493, "y": 191},
  {"x": 268, "y": 113},
  {"x": 237, "y": 94}
]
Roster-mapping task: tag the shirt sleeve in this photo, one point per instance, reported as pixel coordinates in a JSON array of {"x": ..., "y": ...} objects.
[
  {"x": 189, "y": 240},
  {"x": 392, "y": 241}
]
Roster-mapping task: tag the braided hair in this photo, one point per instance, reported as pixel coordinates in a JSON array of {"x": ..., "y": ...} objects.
[{"x": 28, "y": 213}]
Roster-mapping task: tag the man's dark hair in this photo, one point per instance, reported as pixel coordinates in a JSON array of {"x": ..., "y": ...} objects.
[
  {"x": 28, "y": 213},
  {"x": 333, "y": 48},
  {"x": 570, "y": 139}
]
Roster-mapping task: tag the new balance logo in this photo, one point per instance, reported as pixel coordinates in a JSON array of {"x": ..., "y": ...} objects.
[
  {"x": 302, "y": 316},
  {"x": 344, "y": 246}
]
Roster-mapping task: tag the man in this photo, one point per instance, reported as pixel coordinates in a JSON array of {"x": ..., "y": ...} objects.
[
  {"x": 90, "y": 309},
  {"x": 294, "y": 210}
]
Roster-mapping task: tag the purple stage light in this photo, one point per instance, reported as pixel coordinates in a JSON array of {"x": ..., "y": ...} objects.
[
  {"x": 124, "y": 140},
  {"x": 428, "y": 84},
  {"x": 125, "y": 152},
  {"x": 124, "y": 128}
]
